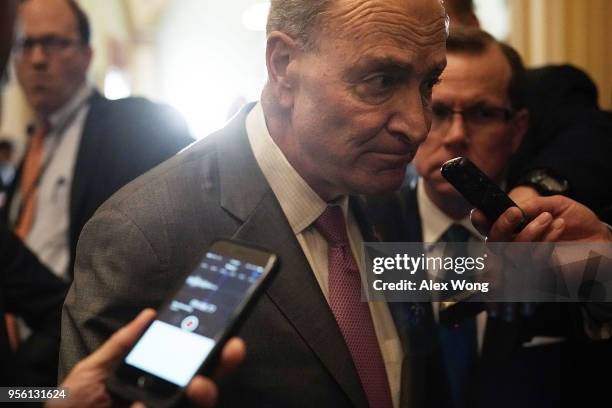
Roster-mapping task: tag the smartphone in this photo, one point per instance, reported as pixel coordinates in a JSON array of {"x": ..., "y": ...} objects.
[
  {"x": 478, "y": 189},
  {"x": 193, "y": 324}
]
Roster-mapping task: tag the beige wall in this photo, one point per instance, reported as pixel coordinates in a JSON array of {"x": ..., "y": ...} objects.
[{"x": 567, "y": 31}]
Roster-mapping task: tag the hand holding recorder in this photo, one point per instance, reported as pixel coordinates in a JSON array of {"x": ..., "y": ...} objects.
[{"x": 536, "y": 219}]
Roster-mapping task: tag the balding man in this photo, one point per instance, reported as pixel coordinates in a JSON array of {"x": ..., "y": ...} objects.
[
  {"x": 346, "y": 105},
  {"x": 344, "y": 111}
]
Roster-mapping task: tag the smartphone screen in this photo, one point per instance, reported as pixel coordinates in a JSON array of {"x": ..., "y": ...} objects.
[{"x": 196, "y": 318}]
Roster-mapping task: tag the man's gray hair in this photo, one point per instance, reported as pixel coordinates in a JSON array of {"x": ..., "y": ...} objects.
[{"x": 297, "y": 18}]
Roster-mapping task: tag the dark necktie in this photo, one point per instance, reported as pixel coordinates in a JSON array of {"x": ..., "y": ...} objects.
[
  {"x": 459, "y": 343},
  {"x": 353, "y": 315}
]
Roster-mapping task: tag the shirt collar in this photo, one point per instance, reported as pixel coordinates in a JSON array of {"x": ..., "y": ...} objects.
[
  {"x": 434, "y": 221},
  {"x": 62, "y": 115},
  {"x": 301, "y": 205}
]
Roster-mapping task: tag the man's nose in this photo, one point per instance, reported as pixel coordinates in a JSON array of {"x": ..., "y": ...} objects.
[
  {"x": 410, "y": 118},
  {"x": 38, "y": 56},
  {"x": 456, "y": 135}
]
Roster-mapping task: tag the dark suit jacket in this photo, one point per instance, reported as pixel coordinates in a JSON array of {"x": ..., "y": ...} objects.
[
  {"x": 121, "y": 140},
  {"x": 568, "y": 134},
  {"x": 29, "y": 291},
  {"x": 142, "y": 241},
  {"x": 509, "y": 375}
]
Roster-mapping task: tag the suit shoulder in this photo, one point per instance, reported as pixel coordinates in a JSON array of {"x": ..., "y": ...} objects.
[
  {"x": 140, "y": 117},
  {"x": 561, "y": 82},
  {"x": 196, "y": 162}
]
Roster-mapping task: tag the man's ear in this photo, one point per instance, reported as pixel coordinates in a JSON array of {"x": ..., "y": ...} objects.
[
  {"x": 87, "y": 54},
  {"x": 520, "y": 125},
  {"x": 281, "y": 52}
]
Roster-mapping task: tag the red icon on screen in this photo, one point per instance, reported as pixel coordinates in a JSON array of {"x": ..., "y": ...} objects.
[{"x": 190, "y": 323}]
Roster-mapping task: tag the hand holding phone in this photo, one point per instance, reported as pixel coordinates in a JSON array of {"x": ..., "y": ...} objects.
[
  {"x": 86, "y": 381},
  {"x": 193, "y": 325}
]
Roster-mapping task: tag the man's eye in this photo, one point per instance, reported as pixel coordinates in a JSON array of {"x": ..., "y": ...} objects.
[
  {"x": 380, "y": 83},
  {"x": 441, "y": 112},
  {"x": 486, "y": 113},
  {"x": 427, "y": 89},
  {"x": 432, "y": 82}
]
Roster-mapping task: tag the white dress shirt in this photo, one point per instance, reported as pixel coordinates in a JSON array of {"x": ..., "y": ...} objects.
[
  {"x": 49, "y": 237},
  {"x": 434, "y": 223},
  {"x": 302, "y": 206}
]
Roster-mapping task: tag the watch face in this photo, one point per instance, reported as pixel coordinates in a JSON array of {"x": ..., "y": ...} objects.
[
  {"x": 548, "y": 184},
  {"x": 551, "y": 184}
]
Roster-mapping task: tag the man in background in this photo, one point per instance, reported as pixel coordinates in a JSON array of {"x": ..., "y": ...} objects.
[
  {"x": 496, "y": 359},
  {"x": 478, "y": 112},
  {"x": 81, "y": 148},
  {"x": 29, "y": 290},
  {"x": 566, "y": 148},
  {"x": 86, "y": 382}
]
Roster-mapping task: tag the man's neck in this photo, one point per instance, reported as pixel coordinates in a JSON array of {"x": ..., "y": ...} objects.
[
  {"x": 456, "y": 208},
  {"x": 280, "y": 131},
  {"x": 76, "y": 99}
]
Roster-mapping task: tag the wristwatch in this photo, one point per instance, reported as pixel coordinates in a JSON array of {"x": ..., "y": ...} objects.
[{"x": 545, "y": 182}]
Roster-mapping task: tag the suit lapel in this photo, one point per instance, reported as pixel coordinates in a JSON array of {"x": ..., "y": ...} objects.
[
  {"x": 246, "y": 194},
  {"x": 87, "y": 158}
]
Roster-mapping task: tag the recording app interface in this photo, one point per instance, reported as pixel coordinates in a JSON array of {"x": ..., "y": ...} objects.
[{"x": 176, "y": 344}]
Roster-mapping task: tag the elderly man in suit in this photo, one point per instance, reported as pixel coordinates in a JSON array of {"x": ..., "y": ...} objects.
[
  {"x": 81, "y": 149},
  {"x": 346, "y": 105}
]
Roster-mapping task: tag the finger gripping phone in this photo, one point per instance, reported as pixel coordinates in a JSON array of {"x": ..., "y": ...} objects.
[
  {"x": 193, "y": 324},
  {"x": 477, "y": 188}
]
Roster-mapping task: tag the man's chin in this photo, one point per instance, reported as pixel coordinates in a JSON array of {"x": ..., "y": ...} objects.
[
  {"x": 390, "y": 182},
  {"x": 443, "y": 188}
]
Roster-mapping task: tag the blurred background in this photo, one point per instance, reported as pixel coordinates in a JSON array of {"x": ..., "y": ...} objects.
[{"x": 206, "y": 57}]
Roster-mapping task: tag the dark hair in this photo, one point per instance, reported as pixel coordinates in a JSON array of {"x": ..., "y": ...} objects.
[
  {"x": 82, "y": 22},
  {"x": 81, "y": 19},
  {"x": 459, "y": 7},
  {"x": 470, "y": 40}
]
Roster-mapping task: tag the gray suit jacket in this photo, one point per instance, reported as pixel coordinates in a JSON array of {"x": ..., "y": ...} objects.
[{"x": 141, "y": 241}]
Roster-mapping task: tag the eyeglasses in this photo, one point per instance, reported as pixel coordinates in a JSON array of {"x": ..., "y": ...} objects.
[
  {"x": 51, "y": 45},
  {"x": 475, "y": 117}
]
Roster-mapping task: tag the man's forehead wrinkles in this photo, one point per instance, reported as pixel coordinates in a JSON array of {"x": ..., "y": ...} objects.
[
  {"x": 400, "y": 35},
  {"x": 375, "y": 12},
  {"x": 375, "y": 60},
  {"x": 398, "y": 28}
]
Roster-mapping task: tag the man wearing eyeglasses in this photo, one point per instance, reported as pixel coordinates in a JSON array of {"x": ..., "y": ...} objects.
[
  {"x": 504, "y": 359},
  {"x": 81, "y": 147}
]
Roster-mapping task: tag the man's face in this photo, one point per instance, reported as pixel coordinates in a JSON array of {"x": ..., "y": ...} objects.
[
  {"x": 487, "y": 133},
  {"x": 361, "y": 100},
  {"x": 50, "y": 74}
]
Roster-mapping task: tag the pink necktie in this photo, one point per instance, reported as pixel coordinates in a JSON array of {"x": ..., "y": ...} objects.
[{"x": 353, "y": 315}]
